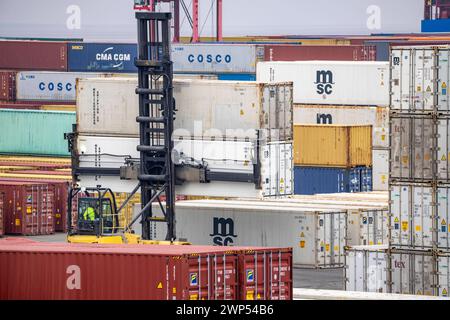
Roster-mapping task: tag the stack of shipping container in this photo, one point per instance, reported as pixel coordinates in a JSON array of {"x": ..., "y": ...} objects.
[
  {"x": 417, "y": 259},
  {"x": 337, "y": 93}
]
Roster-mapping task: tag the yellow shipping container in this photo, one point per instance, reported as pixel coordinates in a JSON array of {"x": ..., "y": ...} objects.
[
  {"x": 332, "y": 145},
  {"x": 57, "y": 107}
]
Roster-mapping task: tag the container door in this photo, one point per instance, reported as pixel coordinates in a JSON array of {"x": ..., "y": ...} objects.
[
  {"x": 381, "y": 227},
  {"x": 423, "y": 149},
  {"x": 443, "y": 215},
  {"x": 424, "y": 77},
  {"x": 280, "y": 286},
  {"x": 422, "y": 224},
  {"x": 400, "y": 222},
  {"x": 322, "y": 240},
  {"x": 376, "y": 271},
  {"x": 354, "y": 270},
  {"x": 276, "y": 113},
  {"x": 277, "y": 169},
  {"x": 401, "y": 273},
  {"x": 443, "y": 80},
  {"x": 443, "y": 151},
  {"x": 253, "y": 275},
  {"x": 400, "y": 148},
  {"x": 339, "y": 235},
  {"x": 443, "y": 275},
  {"x": 401, "y": 65}
]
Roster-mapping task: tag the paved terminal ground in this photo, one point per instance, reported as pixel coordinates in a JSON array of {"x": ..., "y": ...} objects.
[{"x": 330, "y": 279}]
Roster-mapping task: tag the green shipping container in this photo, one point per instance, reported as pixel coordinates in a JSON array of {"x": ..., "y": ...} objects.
[{"x": 35, "y": 132}]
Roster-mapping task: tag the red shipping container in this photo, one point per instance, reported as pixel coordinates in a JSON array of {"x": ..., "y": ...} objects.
[
  {"x": 265, "y": 273},
  {"x": 7, "y": 85},
  {"x": 332, "y": 53},
  {"x": 33, "y": 55},
  {"x": 2, "y": 228},
  {"x": 28, "y": 207},
  {"x": 12, "y": 105},
  {"x": 115, "y": 272}
]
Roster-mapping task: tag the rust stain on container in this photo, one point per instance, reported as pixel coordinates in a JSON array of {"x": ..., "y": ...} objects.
[{"x": 33, "y": 55}]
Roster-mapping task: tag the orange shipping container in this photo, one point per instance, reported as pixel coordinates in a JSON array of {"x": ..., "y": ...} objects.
[{"x": 332, "y": 145}]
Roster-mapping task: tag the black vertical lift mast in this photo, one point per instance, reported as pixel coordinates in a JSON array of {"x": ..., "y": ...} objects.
[{"x": 156, "y": 117}]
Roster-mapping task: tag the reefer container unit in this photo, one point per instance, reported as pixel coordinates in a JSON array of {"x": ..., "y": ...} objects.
[
  {"x": 2, "y": 205},
  {"x": 316, "y": 236},
  {"x": 33, "y": 55},
  {"x": 313, "y": 180},
  {"x": 380, "y": 169},
  {"x": 33, "y": 132},
  {"x": 377, "y": 117},
  {"x": 420, "y": 78},
  {"x": 376, "y": 269},
  {"x": 331, "y": 82},
  {"x": 221, "y": 157},
  {"x": 7, "y": 85},
  {"x": 153, "y": 272},
  {"x": 206, "y": 109},
  {"x": 420, "y": 216},
  {"x": 216, "y": 58},
  {"x": 28, "y": 207},
  {"x": 102, "y": 57},
  {"x": 50, "y": 86},
  {"x": 309, "y": 52},
  {"x": 332, "y": 145}
]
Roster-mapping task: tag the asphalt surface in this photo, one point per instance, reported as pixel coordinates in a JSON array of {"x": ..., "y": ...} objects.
[{"x": 329, "y": 279}]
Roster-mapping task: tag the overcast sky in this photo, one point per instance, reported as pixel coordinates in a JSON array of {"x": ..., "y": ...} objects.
[{"x": 114, "y": 19}]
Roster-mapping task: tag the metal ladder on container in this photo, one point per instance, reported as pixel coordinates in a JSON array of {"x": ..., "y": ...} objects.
[{"x": 156, "y": 116}]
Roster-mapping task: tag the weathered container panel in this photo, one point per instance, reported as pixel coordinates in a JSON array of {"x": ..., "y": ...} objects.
[{"x": 7, "y": 85}]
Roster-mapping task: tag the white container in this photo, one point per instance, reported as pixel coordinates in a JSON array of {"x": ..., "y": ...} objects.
[
  {"x": 366, "y": 269},
  {"x": 377, "y": 117},
  {"x": 50, "y": 86},
  {"x": 331, "y": 82},
  {"x": 380, "y": 169},
  {"x": 420, "y": 216},
  {"x": 274, "y": 159},
  {"x": 216, "y": 58},
  {"x": 443, "y": 274},
  {"x": 316, "y": 236},
  {"x": 206, "y": 109}
]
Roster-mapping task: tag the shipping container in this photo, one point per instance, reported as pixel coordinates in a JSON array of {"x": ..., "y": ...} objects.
[
  {"x": 50, "y": 86},
  {"x": 101, "y": 57},
  {"x": 59, "y": 107},
  {"x": 2, "y": 205},
  {"x": 314, "y": 180},
  {"x": 19, "y": 106},
  {"x": 377, "y": 117},
  {"x": 412, "y": 144},
  {"x": 206, "y": 109},
  {"x": 443, "y": 273},
  {"x": 28, "y": 207},
  {"x": 60, "y": 211},
  {"x": 286, "y": 52},
  {"x": 227, "y": 159},
  {"x": 420, "y": 216},
  {"x": 216, "y": 58},
  {"x": 237, "y": 76},
  {"x": 332, "y": 145},
  {"x": 177, "y": 272},
  {"x": 420, "y": 76},
  {"x": 7, "y": 85},
  {"x": 380, "y": 169},
  {"x": 316, "y": 236},
  {"x": 32, "y": 132},
  {"x": 33, "y": 55},
  {"x": 331, "y": 82}
]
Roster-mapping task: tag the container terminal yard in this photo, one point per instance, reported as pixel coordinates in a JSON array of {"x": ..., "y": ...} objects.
[{"x": 215, "y": 150}]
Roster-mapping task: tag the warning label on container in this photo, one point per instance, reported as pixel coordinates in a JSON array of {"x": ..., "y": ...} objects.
[
  {"x": 159, "y": 286},
  {"x": 419, "y": 88},
  {"x": 396, "y": 224},
  {"x": 443, "y": 158},
  {"x": 418, "y": 228},
  {"x": 302, "y": 244},
  {"x": 302, "y": 235},
  {"x": 250, "y": 295},
  {"x": 327, "y": 247},
  {"x": 404, "y": 225},
  {"x": 428, "y": 89},
  {"x": 444, "y": 292}
]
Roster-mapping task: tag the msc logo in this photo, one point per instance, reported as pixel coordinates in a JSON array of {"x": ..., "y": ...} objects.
[
  {"x": 324, "y": 118},
  {"x": 324, "y": 82},
  {"x": 223, "y": 231},
  {"x": 396, "y": 61}
]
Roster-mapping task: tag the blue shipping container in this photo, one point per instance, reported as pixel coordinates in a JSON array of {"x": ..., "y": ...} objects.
[
  {"x": 316, "y": 180},
  {"x": 101, "y": 57},
  {"x": 440, "y": 25},
  {"x": 237, "y": 76}
]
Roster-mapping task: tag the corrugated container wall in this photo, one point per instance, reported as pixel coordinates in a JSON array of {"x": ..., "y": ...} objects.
[
  {"x": 33, "y": 55},
  {"x": 377, "y": 117},
  {"x": 23, "y": 132},
  {"x": 331, "y": 82},
  {"x": 327, "y": 53},
  {"x": 28, "y": 208},
  {"x": 380, "y": 169},
  {"x": 316, "y": 236},
  {"x": 7, "y": 85},
  {"x": 50, "y": 86},
  {"x": 2, "y": 206},
  {"x": 332, "y": 145},
  {"x": 216, "y": 58},
  {"x": 206, "y": 109}
]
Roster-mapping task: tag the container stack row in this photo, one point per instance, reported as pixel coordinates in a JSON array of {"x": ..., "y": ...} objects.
[
  {"x": 337, "y": 94},
  {"x": 416, "y": 260}
]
